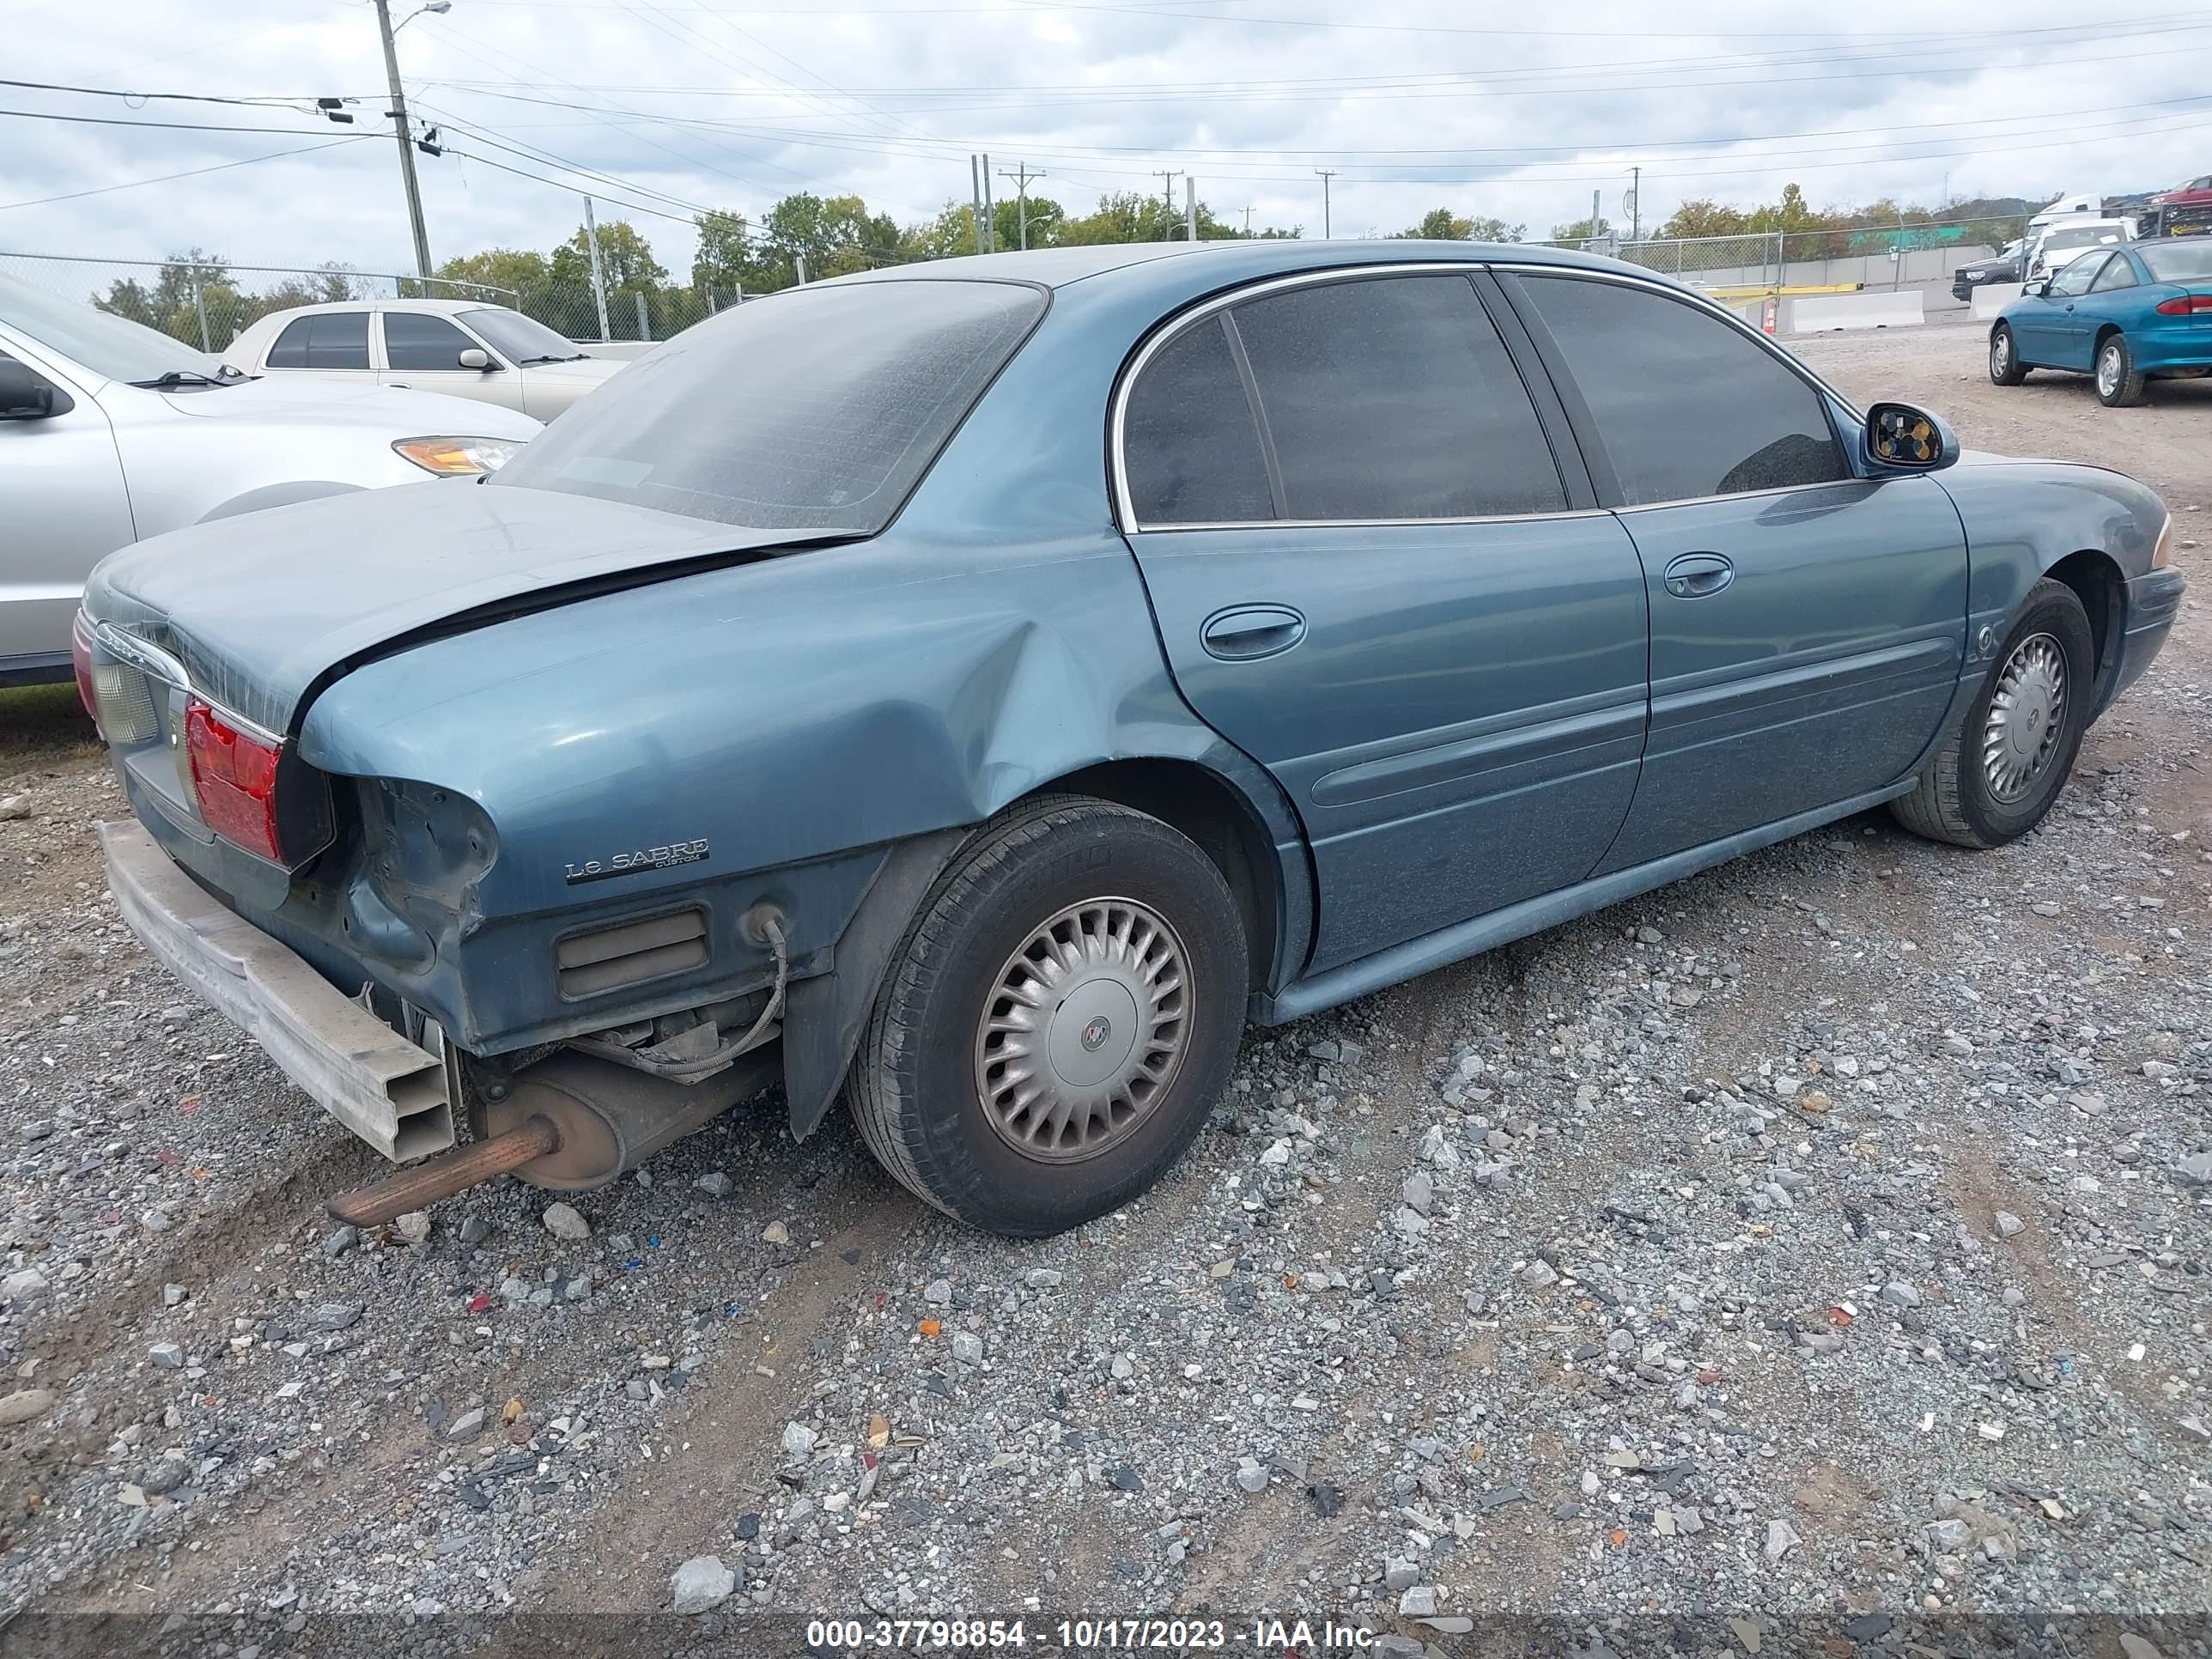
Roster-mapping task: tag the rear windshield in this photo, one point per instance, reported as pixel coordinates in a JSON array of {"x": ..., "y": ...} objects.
[
  {"x": 816, "y": 409},
  {"x": 2187, "y": 261}
]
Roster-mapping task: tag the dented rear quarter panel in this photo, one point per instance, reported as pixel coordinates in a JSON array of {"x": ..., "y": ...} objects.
[{"x": 800, "y": 713}]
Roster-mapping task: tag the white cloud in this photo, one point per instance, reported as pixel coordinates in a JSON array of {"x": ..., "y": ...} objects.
[{"x": 1425, "y": 103}]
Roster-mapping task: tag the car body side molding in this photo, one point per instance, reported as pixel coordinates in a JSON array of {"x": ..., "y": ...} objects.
[{"x": 1472, "y": 938}]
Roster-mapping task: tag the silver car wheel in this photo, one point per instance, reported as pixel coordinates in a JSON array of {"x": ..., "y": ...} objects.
[
  {"x": 2028, "y": 713},
  {"x": 2001, "y": 351},
  {"x": 1085, "y": 1029},
  {"x": 2108, "y": 370}
]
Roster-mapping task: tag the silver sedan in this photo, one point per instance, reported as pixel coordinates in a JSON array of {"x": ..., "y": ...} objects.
[{"x": 111, "y": 432}]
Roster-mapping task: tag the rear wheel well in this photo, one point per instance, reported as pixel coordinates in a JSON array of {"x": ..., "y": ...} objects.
[
  {"x": 2104, "y": 333},
  {"x": 1199, "y": 805},
  {"x": 2097, "y": 583}
]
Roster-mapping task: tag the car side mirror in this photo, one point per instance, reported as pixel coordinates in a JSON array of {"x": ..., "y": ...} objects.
[
  {"x": 27, "y": 395},
  {"x": 476, "y": 357},
  {"x": 1909, "y": 440},
  {"x": 2039, "y": 287}
]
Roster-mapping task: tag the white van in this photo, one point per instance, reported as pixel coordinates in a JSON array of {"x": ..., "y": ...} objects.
[{"x": 2056, "y": 246}]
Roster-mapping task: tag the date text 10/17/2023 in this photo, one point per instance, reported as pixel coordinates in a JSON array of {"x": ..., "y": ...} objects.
[{"x": 1092, "y": 1635}]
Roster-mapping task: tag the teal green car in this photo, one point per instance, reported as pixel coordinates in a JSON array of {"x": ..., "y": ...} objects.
[
  {"x": 976, "y": 690},
  {"x": 2135, "y": 314}
]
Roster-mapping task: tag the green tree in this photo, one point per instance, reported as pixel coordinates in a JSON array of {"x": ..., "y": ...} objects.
[
  {"x": 1581, "y": 230},
  {"x": 1702, "y": 217},
  {"x": 1440, "y": 225},
  {"x": 519, "y": 269},
  {"x": 725, "y": 255}
]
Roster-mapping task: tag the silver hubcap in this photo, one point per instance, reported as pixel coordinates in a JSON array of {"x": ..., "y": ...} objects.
[
  {"x": 2000, "y": 350},
  {"x": 2027, "y": 711},
  {"x": 2108, "y": 370},
  {"x": 1085, "y": 1029}
]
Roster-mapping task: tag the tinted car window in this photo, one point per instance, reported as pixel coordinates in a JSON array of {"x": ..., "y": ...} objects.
[
  {"x": 1393, "y": 398},
  {"x": 2076, "y": 278},
  {"x": 412, "y": 340},
  {"x": 331, "y": 339},
  {"x": 290, "y": 350},
  {"x": 814, "y": 408},
  {"x": 2118, "y": 273},
  {"x": 1189, "y": 444},
  {"x": 1685, "y": 406}
]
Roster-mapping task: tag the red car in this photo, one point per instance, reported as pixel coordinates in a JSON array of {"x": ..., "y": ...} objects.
[{"x": 2185, "y": 210}]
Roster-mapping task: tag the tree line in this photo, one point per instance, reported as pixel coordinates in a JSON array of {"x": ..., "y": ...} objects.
[{"x": 738, "y": 256}]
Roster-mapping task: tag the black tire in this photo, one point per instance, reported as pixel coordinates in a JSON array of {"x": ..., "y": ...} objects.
[
  {"x": 1955, "y": 799},
  {"x": 2119, "y": 382},
  {"x": 917, "y": 1088},
  {"x": 2005, "y": 366}
]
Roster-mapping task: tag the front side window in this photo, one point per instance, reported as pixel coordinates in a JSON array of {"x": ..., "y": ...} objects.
[
  {"x": 415, "y": 340},
  {"x": 1685, "y": 406},
  {"x": 2075, "y": 278}
]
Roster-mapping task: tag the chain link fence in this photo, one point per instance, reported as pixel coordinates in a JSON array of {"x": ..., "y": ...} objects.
[
  {"x": 1873, "y": 255},
  {"x": 208, "y": 302}
]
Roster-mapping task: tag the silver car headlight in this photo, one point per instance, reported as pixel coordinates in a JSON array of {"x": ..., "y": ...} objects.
[{"x": 459, "y": 458}]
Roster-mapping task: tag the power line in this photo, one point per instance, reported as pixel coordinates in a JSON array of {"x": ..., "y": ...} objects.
[
  {"x": 261, "y": 100},
  {"x": 189, "y": 173},
  {"x": 119, "y": 121}
]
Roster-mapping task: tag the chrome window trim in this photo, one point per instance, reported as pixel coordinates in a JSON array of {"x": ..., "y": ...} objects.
[
  {"x": 1372, "y": 524},
  {"x": 158, "y": 664},
  {"x": 1124, "y": 505}
]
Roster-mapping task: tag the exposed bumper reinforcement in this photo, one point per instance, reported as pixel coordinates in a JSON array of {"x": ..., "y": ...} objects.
[{"x": 386, "y": 1089}]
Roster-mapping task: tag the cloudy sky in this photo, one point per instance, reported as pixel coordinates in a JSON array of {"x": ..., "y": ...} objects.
[{"x": 668, "y": 106}]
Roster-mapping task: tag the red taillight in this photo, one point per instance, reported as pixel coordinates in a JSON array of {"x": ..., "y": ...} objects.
[
  {"x": 81, "y": 660},
  {"x": 235, "y": 775},
  {"x": 2186, "y": 305}
]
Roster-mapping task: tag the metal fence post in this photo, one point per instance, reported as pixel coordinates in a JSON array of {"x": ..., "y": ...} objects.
[
  {"x": 199, "y": 304},
  {"x": 644, "y": 328}
]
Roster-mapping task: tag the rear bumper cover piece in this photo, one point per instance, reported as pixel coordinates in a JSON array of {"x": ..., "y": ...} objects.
[{"x": 391, "y": 1092}]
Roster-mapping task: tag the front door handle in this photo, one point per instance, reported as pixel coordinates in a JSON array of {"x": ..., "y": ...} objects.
[
  {"x": 1694, "y": 575},
  {"x": 1245, "y": 633}
]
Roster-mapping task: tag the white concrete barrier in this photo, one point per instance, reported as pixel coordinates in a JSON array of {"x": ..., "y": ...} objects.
[
  {"x": 1992, "y": 297},
  {"x": 1812, "y": 313}
]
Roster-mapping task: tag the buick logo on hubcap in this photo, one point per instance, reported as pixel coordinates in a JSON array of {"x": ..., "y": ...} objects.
[{"x": 1096, "y": 1032}]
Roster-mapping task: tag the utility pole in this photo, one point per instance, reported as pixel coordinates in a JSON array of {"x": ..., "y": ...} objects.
[
  {"x": 1167, "y": 176},
  {"x": 976, "y": 191},
  {"x": 1021, "y": 175},
  {"x": 1247, "y": 220},
  {"x": 1597, "y": 224},
  {"x": 1189, "y": 209},
  {"x": 1635, "y": 203},
  {"x": 599, "y": 274},
  {"x": 1326, "y": 174},
  {"x": 990, "y": 219},
  {"x": 400, "y": 132}
]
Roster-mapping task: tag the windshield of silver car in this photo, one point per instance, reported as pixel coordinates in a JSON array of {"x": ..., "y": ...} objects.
[
  {"x": 105, "y": 343},
  {"x": 813, "y": 409}
]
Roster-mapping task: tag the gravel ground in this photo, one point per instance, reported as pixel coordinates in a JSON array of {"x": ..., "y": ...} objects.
[{"x": 1826, "y": 1234}]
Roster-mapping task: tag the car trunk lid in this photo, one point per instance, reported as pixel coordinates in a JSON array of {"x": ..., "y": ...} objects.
[{"x": 264, "y": 608}]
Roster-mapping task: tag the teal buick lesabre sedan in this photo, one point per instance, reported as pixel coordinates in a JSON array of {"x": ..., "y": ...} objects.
[
  {"x": 2140, "y": 312},
  {"x": 976, "y": 690}
]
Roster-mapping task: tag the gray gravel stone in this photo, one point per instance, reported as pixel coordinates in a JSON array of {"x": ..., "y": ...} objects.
[
  {"x": 799, "y": 1439},
  {"x": 335, "y": 1315},
  {"x": 968, "y": 1347},
  {"x": 343, "y": 1239},
  {"x": 166, "y": 1356},
  {"x": 700, "y": 1584},
  {"x": 24, "y": 1404},
  {"x": 566, "y": 1221},
  {"x": 467, "y": 1426}
]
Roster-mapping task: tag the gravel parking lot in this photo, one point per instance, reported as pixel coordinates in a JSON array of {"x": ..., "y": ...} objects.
[{"x": 1825, "y": 1235}]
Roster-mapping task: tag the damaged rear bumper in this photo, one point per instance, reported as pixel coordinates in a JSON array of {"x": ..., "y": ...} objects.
[{"x": 393, "y": 1093}]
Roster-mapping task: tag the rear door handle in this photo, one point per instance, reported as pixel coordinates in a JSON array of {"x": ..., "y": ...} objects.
[
  {"x": 1245, "y": 633},
  {"x": 1694, "y": 575}
]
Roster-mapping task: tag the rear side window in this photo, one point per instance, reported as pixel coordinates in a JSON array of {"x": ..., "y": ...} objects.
[
  {"x": 1685, "y": 406},
  {"x": 2116, "y": 273},
  {"x": 1393, "y": 398},
  {"x": 815, "y": 409},
  {"x": 1189, "y": 443},
  {"x": 415, "y": 340},
  {"x": 332, "y": 339}
]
